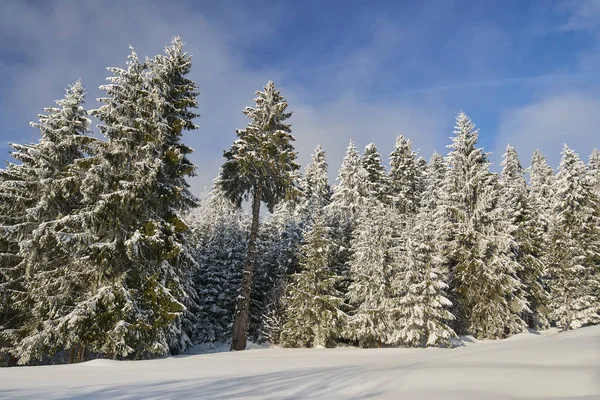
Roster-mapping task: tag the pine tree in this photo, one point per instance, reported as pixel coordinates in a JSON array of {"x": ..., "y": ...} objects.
[
  {"x": 349, "y": 198},
  {"x": 404, "y": 176},
  {"x": 421, "y": 166},
  {"x": 314, "y": 185},
  {"x": 541, "y": 192},
  {"x": 593, "y": 169},
  {"x": 574, "y": 280},
  {"x": 377, "y": 180},
  {"x": 220, "y": 248},
  {"x": 529, "y": 246},
  {"x": 17, "y": 194},
  {"x": 433, "y": 183},
  {"x": 51, "y": 282},
  {"x": 421, "y": 312},
  {"x": 371, "y": 273},
  {"x": 350, "y": 194},
  {"x": 176, "y": 104},
  {"x": 261, "y": 162},
  {"x": 313, "y": 315},
  {"x": 484, "y": 284}
]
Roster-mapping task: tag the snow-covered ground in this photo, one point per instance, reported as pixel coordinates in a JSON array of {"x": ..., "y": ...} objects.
[{"x": 526, "y": 366}]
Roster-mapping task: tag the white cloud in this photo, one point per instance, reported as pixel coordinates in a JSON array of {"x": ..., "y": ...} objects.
[{"x": 549, "y": 123}]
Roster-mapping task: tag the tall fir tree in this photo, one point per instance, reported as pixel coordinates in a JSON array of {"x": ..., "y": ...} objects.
[
  {"x": 541, "y": 195},
  {"x": 260, "y": 163},
  {"x": 421, "y": 178},
  {"x": 313, "y": 304},
  {"x": 575, "y": 236},
  {"x": 348, "y": 199},
  {"x": 314, "y": 185},
  {"x": 351, "y": 192},
  {"x": 176, "y": 104},
  {"x": 371, "y": 274},
  {"x": 45, "y": 283},
  {"x": 422, "y": 313},
  {"x": 404, "y": 176},
  {"x": 483, "y": 273},
  {"x": 522, "y": 218},
  {"x": 593, "y": 169},
  {"x": 377, "y": 179}
]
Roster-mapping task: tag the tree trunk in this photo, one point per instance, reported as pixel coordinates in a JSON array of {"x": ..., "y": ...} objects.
[
  {"x": 80, "y": 353},
  {"x": 240, "y": 323}
]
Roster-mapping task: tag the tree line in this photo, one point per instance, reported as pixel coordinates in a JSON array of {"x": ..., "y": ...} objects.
[{"x": 104, "y": 251}]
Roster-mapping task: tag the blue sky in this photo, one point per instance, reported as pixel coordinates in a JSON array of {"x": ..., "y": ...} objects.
[{"x": 527, "y": 72}]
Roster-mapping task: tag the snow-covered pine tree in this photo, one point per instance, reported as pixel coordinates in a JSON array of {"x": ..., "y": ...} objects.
[
  {"x": 315, "y": 188},
  {"x": 377, "y": 179},
  {"x": 175, "y": 95},
  {"x": 485, "y": 289},
  {"x": 433, "y": 183},
  {"x": 541, "y": 181},
  {"x": 260, "y": 163},
  {"x": 220, "y": 249},
  {"x": 350, "y": 194},
  {"x": 403, "y": 176},
  {"x": 51, "y": 282},
  {"x": 313, "y": 314},
  {"x": 421, "y": 173},
  {"x": 593, "y": 169},
  {"x": 17, "y": 194},
  {"x": 371, "y": 274},
  {"x": 575, "y": 236},
  {"x": 348, "y": 199},
  {"x": 541, "y": 193},
  {"x": 522, "y": 218},
  {"x": 422, "y": 315}
]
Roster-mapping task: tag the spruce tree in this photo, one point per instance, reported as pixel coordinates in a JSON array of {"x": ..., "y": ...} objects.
[
  {"x": 348, "y": 199},
  {"x": 522, "y": 218},
  {"x": 377, "y": 180},
  {"x": 175, "y": 97},
  {"x": 421, "y": 166},
  {"x": 260, "y": 163},
  {"x": 541, "y": 195},
  {"x": 351, "y": 192},
  {"x": 51, "y": 282},
  {"x": 404, "y": 176},
  {"x": 541, "y": 181},
  {"x": 371, "y": 273},
  {"x": 313, "y": 314},
  {"x": 421, "y": 314},
  {"x": 484, "y": 285},
  {"x": 315, "y": 188},
  {"x": 575, "y": 236},
  {"x": 593, "y": 169}
]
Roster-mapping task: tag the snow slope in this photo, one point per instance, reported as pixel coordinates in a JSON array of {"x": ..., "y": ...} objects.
[{"x": 525, "y": 366}]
